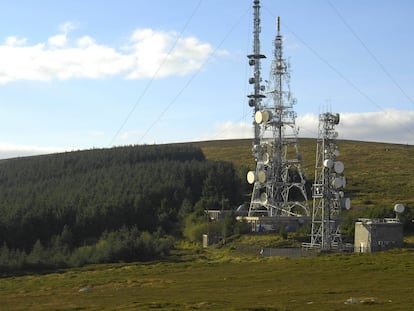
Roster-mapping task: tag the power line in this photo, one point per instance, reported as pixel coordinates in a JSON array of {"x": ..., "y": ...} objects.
[
  {"x": 191, "y": 78},
  {"x": 347, "y": 80},
  {"x": 371, "y": 54},
  {"x": 156, "y": 73}
]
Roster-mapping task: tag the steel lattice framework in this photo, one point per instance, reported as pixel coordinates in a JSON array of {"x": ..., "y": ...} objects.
[
  {"x": 278, "y": 180},
  {"x": 328, "y": 198}
]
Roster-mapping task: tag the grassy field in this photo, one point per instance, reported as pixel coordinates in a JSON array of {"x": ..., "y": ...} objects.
[
  {"x": 377, "y": 173},
  {"x": 236, "y": 277},
  {"x": 223, "y": 280}
]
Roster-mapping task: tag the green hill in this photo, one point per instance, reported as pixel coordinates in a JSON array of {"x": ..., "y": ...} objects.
[
  {"x": 105, "y": 204},
  {"x": 192, "y": 278},
  {"x": 131, "y": 202},
  {"x": 378, "y": 174}
]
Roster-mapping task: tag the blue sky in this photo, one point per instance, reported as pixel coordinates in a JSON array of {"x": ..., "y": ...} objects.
[{"x": 95, "y": 74}]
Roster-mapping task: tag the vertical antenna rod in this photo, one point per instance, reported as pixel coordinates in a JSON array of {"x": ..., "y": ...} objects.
[
  {"x": 278, "y": 24},
  {"x": 254, "y": 60}
]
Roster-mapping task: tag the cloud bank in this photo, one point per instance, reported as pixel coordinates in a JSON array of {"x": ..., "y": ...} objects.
[
  {"x": 147, "y": 53},
  {"x": 389, "y": 126},
  {"x": 13, "y": 151}
]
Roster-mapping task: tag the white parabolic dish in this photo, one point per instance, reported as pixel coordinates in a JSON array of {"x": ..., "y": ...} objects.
[
  {"x": 251, "y": 177},
  {"x": 399, "y": 208},
  {"x": 265, "y": 158},
  {"x": 339, "y": 167},
  {"x": 328, "y": 163},
  {"x": 262, "y": 116},
  {"x": 337, "y": 182},
  {"x": 347, "y": 203},
  {"x": 261, "y": 176}
]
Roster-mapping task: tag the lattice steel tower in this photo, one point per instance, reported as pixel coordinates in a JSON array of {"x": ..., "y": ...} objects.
[
  {"x": 278, "y": 180},
  {"x": 328, "y": 198}
]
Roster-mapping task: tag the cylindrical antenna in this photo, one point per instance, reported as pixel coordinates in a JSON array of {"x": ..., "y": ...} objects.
[{"x": 278, "y": 24}]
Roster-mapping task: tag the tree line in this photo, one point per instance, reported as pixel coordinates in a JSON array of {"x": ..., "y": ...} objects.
[{"x": 106, "y": 204}]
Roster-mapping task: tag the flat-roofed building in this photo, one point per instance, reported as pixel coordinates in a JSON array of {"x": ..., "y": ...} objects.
[{"x": 373, "y": 235}]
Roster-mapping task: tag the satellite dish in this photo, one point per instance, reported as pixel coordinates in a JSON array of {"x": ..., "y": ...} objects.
[
  {"x": 263, "y": 198},
  {"x": 399, "y": 208},
  {"x": 262, "y": 116},
  {"x": 336, "y": 118},
  {"x": 328, "y": 163},
  {"x": 267, "y": 115},
  {"x": 336, "y": 152},
  {"x": 341, "y": 194},
  {"x": 258, "y": 117},
  {"x": 337, "y": 182},
  {"x": 251, "y": 177},
  {"x": 339, "y": 167},
  {"x": 265, "y": 158},
  {"x": 261, "y": 176},
  {"x": 346, "y": 203}
]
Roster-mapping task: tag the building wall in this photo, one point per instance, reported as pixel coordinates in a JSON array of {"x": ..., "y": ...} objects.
[
  {"x": 362, "y": 242},
  {"x": 377, "y": 235}
]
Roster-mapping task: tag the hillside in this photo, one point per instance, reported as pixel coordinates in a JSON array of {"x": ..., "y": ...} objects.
[
  {"x": 378, "y": 174},
  {"x": 225, "y": 278},
  {"x": 106, "y": 204},
  {"x": 132, "y": 202}
]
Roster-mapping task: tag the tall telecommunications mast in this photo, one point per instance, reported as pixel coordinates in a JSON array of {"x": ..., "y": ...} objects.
[
  {"x": 254, "y": 60},
  {"x": 278, "y": 182}
]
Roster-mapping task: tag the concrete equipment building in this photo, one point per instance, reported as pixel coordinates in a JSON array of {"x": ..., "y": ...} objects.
[{"x": 373, "y": 235}]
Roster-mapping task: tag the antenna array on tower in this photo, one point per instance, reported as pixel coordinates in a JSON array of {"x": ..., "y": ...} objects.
[
  {"x": 327, "y": 192},
  {"x": 278, "y": 179}
]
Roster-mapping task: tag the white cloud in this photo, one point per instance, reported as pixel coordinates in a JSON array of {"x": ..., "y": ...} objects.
[
  {"x": 147, "y": 54},
  {"x": 85, "y": 42},
  {"x": 15, "y": 41},
  {"x": 58, "y": 40},
  {"x": 61, "y": 40},
  {"x": 67, "y": 27},
  {"x": 390, "y": 126},
  {"x": 230, "y": 130},
  {"x": 394, "y": 126},
  {"x": 11, "y": 151},
  {"x": 150, "y": 49}
]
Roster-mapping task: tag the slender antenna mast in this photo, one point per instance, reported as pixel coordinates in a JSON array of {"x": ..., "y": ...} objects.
[
  {"x": 278, "y": 181},
  {"x": 278, "y": 25},
  {"x": 254, "y": 60}
]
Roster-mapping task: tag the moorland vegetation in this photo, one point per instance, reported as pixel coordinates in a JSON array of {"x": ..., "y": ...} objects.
[{"x": 135, "y": 202}]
